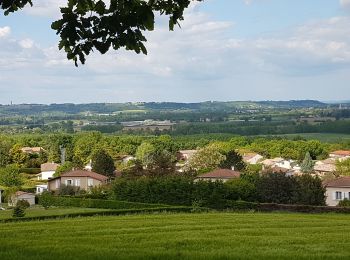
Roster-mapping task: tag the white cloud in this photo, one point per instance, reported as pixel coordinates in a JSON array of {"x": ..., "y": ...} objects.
[
  {"x": 345, "y": 3},
  {"x": 46, "y": 8},
  {"x": 4, "y": 31},
  {"x": 193, "y": 62},
  {"x": 26, "y": 43}
]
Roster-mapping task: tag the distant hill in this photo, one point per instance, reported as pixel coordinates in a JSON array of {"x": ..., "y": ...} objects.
[
  {"x": 293, "y": 103},
  {"x": 69, "y": 108}
]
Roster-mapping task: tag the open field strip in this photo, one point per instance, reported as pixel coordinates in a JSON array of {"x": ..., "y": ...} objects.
[{"x": 170, "y": 236}]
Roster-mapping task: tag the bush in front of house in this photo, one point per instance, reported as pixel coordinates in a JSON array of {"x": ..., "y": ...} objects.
[
  {"x": 344, "y": 203},
  {"x": 46, "y": 199},
  {"x": 23, "y": 204}
]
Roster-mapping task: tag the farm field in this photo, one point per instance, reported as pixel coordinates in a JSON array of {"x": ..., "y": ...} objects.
[{"x": 180, "y": 236}]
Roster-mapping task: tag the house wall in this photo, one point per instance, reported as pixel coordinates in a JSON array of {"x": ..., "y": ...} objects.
[
  {"x": 46, "y": 175},
  {"x": 84, "y": 181},
  {"x": 255, "y": 159},
  {"x": 331, "y": 197},
  {"x": 28, "y": 197}
]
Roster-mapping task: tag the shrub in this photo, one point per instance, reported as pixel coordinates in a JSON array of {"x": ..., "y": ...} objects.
[
  {"x": 241, "y": 189},
  {"x": 68, "y": 190},
  {"x": 276, "y": 188},
  {"x": 344, "y": 203},
  {"x": 24, "y": 204},
  {"x": 46, "y": 200},
  {"x": 18, "y": 212}
]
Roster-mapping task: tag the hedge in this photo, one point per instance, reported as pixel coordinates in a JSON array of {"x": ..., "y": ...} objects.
[
  {"x": 102, "y": 213},
  {"x": 30, "y": 170},
  {"x": 96, "y": 203},
  {"x": 272, "y": 207}
]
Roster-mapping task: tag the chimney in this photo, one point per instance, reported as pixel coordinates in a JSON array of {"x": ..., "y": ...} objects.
[{"x": 232, "y": 168}]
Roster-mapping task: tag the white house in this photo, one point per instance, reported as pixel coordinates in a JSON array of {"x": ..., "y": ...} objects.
[
  {"x": 252, "y": 158},
  {"x": 41, "y": 188},
  {"x": 47, "y": 170},
  {"x": 337, "y": 190}
]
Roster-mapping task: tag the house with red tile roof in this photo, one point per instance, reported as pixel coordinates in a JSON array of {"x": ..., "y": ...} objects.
[
  {"x": 219, "y": 175},
  {"x": 340, "y": 154},
  {"x": 336, "y": 190},
  {"x": 82, "y": 179}
]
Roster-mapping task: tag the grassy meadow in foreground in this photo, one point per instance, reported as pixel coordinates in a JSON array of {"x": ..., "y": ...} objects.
[{"x": 174, "y": 236}]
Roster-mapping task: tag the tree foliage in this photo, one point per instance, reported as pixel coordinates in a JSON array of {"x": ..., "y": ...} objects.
[
  {"x": 10, "y": 176},
  {"x": 102, "y": 163},
  {"x": 206, "y": 159},
  {"x": 88, "y": 25},
  {"x": 343, "y": 167}
]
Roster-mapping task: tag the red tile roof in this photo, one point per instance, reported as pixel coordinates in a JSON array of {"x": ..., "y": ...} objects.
[
  {"x": 342, "y": 182},
  {"x": 19, "y": 193},
  {"x": 45, "y": 167},
  {"x": 341, "y": 153},
  {"x": 82, "y": 173},
  {"x": 221, "y": 174}
]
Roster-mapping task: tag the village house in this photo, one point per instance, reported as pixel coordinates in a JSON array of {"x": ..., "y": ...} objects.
[
  {"x": 82, "y": 179},
  {"x": 325, "y": 167},
  {"x": 340, "y": 155},
  {"x": 185, "y": 155},
  {"x": 223, "y": 175},
  {"x": 47, "y": 170},
  {"x": 281, "y": 163},
  {"x": 252, "y": 158},
  {"x": 337, "y": 190},
  {"x": 21, "y": 195},
  {"x": 40, "y": 188},
  {"x": 32, "y": 150}
]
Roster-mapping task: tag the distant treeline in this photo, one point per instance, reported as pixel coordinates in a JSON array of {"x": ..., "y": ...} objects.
[{"x": 262, "y": 128}]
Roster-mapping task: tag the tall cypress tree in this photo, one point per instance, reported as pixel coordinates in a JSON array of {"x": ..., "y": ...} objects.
[{"x": 307, "y": 166}]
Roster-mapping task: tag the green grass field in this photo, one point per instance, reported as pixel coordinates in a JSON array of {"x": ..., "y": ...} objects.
[{"x": 180, "y": 236}]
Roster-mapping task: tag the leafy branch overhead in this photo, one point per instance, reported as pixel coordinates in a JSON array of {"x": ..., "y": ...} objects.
[{"x": 87, "y": 25}]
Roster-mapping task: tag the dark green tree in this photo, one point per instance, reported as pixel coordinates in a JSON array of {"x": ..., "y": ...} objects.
[
  {"x": 88, "y": 25},
  {"x": 310, "y": 190},
  {"x": 102, "y": 163},
  {"x": 233, "y": 160}
]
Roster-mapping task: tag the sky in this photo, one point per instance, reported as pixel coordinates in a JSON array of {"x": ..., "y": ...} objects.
[{"x": 225, "y": 50}]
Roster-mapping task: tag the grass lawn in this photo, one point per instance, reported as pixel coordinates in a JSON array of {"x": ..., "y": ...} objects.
[
  {"x": 180, "y": 236},
  {"x": 38, "y": 211}
]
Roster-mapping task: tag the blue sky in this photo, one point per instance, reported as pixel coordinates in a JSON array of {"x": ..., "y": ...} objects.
[{"x": 225, "y": 50}]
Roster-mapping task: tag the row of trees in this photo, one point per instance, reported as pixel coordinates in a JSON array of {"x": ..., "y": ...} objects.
[
  {"x": 268, "y": 188},
  {"x": 80, "y": 147}
]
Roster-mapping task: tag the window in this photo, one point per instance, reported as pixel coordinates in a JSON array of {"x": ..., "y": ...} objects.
[
  {"x": 69, "y": 182},
  {"x": 90, "y": 182},
  {"x": 57, "y": 182},
  {"x": 77, "y": 182},
  {"x": 338, "y": 195}
]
